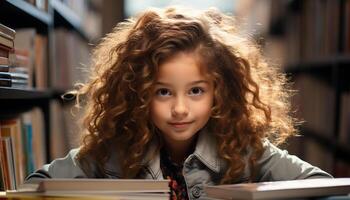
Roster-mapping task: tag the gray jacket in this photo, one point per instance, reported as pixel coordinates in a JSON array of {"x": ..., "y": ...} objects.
[{"x": 203, "y": 167}]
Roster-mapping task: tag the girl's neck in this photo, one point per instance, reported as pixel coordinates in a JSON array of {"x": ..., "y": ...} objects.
[{"x": 179, "y": 151}]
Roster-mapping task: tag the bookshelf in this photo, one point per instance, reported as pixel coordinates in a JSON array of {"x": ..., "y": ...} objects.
[
  {"x": 57, "y": 25},
  {"x": 65, "y": 17},
  {"x": 7, "y": 94},
  {"x": 316, "y": 37},
  {"x": 28, "y": 14}
]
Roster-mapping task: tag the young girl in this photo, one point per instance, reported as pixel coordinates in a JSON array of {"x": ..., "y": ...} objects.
[{"x": 181, "y": 95}]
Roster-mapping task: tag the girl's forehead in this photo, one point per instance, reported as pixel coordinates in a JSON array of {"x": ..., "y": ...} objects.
[
  {"x": 187, "y": 58},
  {"x": 183, "y": 66}
]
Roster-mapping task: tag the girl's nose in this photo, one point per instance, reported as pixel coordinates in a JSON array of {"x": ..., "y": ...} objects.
[{"x": 180, "y": 108}]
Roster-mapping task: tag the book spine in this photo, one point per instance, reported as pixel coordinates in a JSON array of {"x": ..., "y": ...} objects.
[
  {"x": 12, "y": 128},
  {"x": 28, "y": 137},
  {"x": 5, "y": 75},
  {"x": 7, "y": 164},
  {"x": 4, "y": 68},
  {"x": 4, "y": 52},
  {"x": 4, "y": 82},
  {"x": 6, "y": 36},
  {"x": 13, "y": 75},
  {"x": 7, "y": 42},
  {"x": 4, "y": 60},
  {"x": 8, "y": 31}
]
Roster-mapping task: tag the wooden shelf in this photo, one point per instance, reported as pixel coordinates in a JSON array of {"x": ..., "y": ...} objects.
[
  {"x": 23, "y": 94},
  {"x": 65, "y": 17},
  {"x": 24, "y": 15},
  {"x": 20, "y": 14},
  {"x": 327, "y": 69},
  {"x": 15, "y": 101},
  {"x": 321, "y": 62}
]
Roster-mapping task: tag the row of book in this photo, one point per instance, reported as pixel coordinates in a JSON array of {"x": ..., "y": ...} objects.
[
  {"x": 71, "y": 60},
  {"x": 315, "y": 104},
  {"x": 44, "y": 61},
  {"x": 24, "y": 59},
  {"x": 90, "y": 14},
  {"x": 344, "y": 132},
  {"x": 13, "y": 63},
  {"x": 28, "y": 138},
  {"x": 40, "y": 4},
  {"x": 25, "y": 133},
  {"x": 315, "y": 29},
  {"x": 342, "y": 168},
  {"x": 78, "y": 6},
  {"x": 64, "y": 128}
]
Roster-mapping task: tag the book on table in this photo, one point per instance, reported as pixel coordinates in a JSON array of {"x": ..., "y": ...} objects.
[
  {"x": 118, "y": 188},
  {"x": 281, "y": 189}
]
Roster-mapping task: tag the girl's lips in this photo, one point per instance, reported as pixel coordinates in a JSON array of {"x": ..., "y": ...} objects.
[{"x": 180, "y": 124}]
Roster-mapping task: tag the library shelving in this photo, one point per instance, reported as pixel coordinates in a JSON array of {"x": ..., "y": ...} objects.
[
  {"x": 22, "y": 14},
  {"x": 44, "y": 32},
  {"x": 316, "y": 35}
]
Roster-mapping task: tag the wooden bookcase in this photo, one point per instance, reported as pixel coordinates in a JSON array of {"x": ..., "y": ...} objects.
[
  {"x": 316, "y": 35},
  {"x": 18, "y": 14}
]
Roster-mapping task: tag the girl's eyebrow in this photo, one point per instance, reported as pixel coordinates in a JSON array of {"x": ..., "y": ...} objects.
[{"x": 191, "y": 83}]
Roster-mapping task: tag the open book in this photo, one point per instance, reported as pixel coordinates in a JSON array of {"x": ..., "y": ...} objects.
[
  {"x": 118, "y": 188},
  {"x": 281, "y": 189}
]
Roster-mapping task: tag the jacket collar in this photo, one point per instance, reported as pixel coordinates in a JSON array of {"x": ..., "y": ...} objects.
[
  {"x": 152, "y": 160},
  {"x": 205, "y": 151}
]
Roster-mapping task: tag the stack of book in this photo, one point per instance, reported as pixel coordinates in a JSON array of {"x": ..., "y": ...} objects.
[
  {"x": 95, "y": 188},
  {"x": 12, "y": 74},
  {"x": 293, "y": 189}
]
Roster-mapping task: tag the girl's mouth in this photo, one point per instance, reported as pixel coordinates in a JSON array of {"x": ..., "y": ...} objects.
[{"x": 180, "y": 125}]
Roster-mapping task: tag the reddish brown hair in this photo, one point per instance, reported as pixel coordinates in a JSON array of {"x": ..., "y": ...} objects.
[{"x": 250, "y": 102}]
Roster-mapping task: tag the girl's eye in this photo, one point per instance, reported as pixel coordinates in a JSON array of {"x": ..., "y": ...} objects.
[
  {"x": 196, "y": 91},
  {"x": 163, "y": 92}
]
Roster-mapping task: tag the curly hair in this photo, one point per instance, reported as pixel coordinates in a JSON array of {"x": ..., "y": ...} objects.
[{"x": 251, "y": 98}]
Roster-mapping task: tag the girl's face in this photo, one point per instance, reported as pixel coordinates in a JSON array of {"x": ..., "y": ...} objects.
[{"x": 183, "y": 98}]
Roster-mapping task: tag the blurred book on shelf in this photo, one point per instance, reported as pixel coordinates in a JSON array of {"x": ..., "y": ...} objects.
[
  {"x": 23, "y": 56},
  {"x": 12, "y": 128},
  {"x": 315, "y": 45},
  {"x": 59, "y": 138},
  {"x": 7, "y": 36},
  {"x": 8, "y": 178},
  {"x": 4, "y": 61},
  {"x": 344, "y": 132},
  {"x": 346, "y": 27},
  {"x": 71, "y": 60},
  {"x": 26, "y": 133},
  {"x": 314, "y": 103},
  {"x": 40, "y": 4},
  {"x": 31, "y": 56}
]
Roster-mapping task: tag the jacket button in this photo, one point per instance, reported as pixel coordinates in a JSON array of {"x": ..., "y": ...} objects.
[{"x": 196, "y": 192}]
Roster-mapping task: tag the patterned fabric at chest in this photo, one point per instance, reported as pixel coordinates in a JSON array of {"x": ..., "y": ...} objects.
[{"x": 173, "y": 172}]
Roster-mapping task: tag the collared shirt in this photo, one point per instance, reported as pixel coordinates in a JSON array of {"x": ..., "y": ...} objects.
[
  {"x": 202, "y": 167},
  {"x": 173, "y": 172}
]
